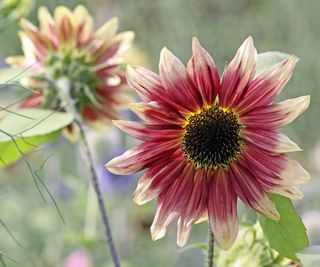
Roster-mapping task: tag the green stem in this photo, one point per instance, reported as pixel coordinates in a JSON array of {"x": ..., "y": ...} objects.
[
  {"x": 210, "y": 258},
  {"x": 64, "y": 86},
  {"x": 96, "y": 186}
]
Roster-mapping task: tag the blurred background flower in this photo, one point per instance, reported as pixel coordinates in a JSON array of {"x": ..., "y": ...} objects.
[
  {"x": 77, "y": 259},
  {"x": 70, "y": 58}
]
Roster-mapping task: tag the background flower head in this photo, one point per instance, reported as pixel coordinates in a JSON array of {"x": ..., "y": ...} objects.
[
  {"x": 209, "y": 141},
  {"x": 77, "y": 259},
  {"x": 65, "y": 45}
]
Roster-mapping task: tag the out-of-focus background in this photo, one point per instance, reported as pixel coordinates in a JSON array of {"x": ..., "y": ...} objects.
[{"x": 289, "y": 26}]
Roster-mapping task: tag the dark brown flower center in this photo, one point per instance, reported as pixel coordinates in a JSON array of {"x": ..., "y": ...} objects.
[{"x": 212, "y": 137}]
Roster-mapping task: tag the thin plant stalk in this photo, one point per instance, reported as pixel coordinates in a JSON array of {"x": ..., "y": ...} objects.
[
  {"x": 210, "y": 254},
  {"x": 97, "y": 189},
  {"x": 64, "y": 86}
]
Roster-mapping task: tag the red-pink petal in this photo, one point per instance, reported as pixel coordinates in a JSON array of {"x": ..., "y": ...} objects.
[
  {"x": 238, "y": 74},
  {"x": 149, "y": 132},
  {"x": 175, "y": 79},
  {"x": 266, "y": 87},
  {"x": 172, "y": 201},
  {"x": 251, "y": 192},
  {"x": 276, "y": 115},
  {"x": 197, "y": 205},
  {"x": 203, "y": 72},
  {"x": 222, "y": 209},
  {"x": 154, "y": 113},
  {"x": 137, "y": 158},
  {"x": 271, "y": 141},
  {"x": 148, "y": 86}
]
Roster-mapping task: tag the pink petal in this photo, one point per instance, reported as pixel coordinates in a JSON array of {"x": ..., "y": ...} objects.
[
  {"x": 197, "y": 206},
  {"x": 287, "y": 191},
  {"x": 120, "y": 44},
  {"x": 157, "y": 178},
  {"x": 238, "y": 74},
  {"x": 172, "y": 202},
  {"x": 251, "y": 192},
  {"x": 222, "y": 209},
  {"x": 276, "y": 115},
  {"x": 39, "y": 41},
  {"x": 266, "y": 87},
  {"x": 175, "y": 79},
  {"x": 204, "y": 73},
  {"x": 269, "y": 140},
  {"x": 149, "y": 132},
  {"x": 84, "y": 25},
  {"x": 148, "y": 86},
  {"x": 66, "y": 24},
  {"x": 154, "y": 113},
  {"x": 48, "y": 26},
  {"x": 273, "y": 170},
  {"x": 140, "y": 156}
]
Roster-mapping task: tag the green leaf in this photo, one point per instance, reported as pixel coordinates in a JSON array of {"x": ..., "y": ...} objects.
[
  {"x": 267, "y": 59},
  {"x": 30, "y": 128},
  {"x": 310, "y": 257},
  {"x": 9, "y": 75},
  {"x": 288, "y": 236}
]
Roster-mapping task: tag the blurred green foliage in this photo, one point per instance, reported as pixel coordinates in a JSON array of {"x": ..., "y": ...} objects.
[{"x": 290, "y": 26}]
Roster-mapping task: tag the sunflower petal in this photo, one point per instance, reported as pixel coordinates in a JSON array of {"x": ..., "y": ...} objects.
[
  {"x": 238, "y": 74},
  {"x": 266, "y": 87},
  {"x": 175, "y": 79},
  {"x": 251, "y": 192},
  {"x": 222, "y": 210},
  {"x": 203, "y": 72},
  {"x": 108, "y": 30},
  {"x": 276, "y": 115},
  {"x": 269, "y": 140}
]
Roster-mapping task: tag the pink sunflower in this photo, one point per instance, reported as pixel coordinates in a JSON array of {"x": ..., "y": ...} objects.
[
  {"x": 66, "y": 46},
  {"x": 209, "y": 141}
]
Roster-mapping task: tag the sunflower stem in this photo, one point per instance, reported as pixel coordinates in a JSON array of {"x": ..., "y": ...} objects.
[
  {"x": 210, "y": 256},
  {"x": 96, "y": 186},
  {"x": 64, "y": 86}
]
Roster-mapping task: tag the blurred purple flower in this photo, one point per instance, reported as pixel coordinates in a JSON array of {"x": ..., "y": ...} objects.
[
  {"x": 77, "y": 259},
  {"x": 113, "y": 183}
]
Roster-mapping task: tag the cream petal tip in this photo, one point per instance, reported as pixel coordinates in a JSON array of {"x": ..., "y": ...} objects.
[
  {"x": 294, "y": 173},
  {"x": 274, "y": 215},
  {"x": 157, "y": 233},
  {"x": 130, "y": 71},
  {"x": 112, "y": 167},
  {"x": 226, "y": 243},
  {"x": 118, "y": 123},
  {"x": 182, "y": 240},
  {"x": 195, "y": 41},
  {"x": 113, "y": 21},
  {"x": 249, "y": 40},
  {"x": 165, "y": 53},
  {"x": 143, "y": 194}
]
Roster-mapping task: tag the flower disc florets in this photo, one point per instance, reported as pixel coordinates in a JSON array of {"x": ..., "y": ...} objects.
[{"x": 212, "y": 137}]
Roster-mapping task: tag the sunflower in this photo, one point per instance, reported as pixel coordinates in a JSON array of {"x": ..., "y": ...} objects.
[
  {"x": 208, "y": 142},
  {"x": 65, "y": 46}
]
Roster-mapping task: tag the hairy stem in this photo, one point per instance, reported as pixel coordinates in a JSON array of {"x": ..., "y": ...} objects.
[
  {"x": 96, "y": 186},
  {"x": 210, "y": 258},
  {"x": 64, "y": 86}
]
